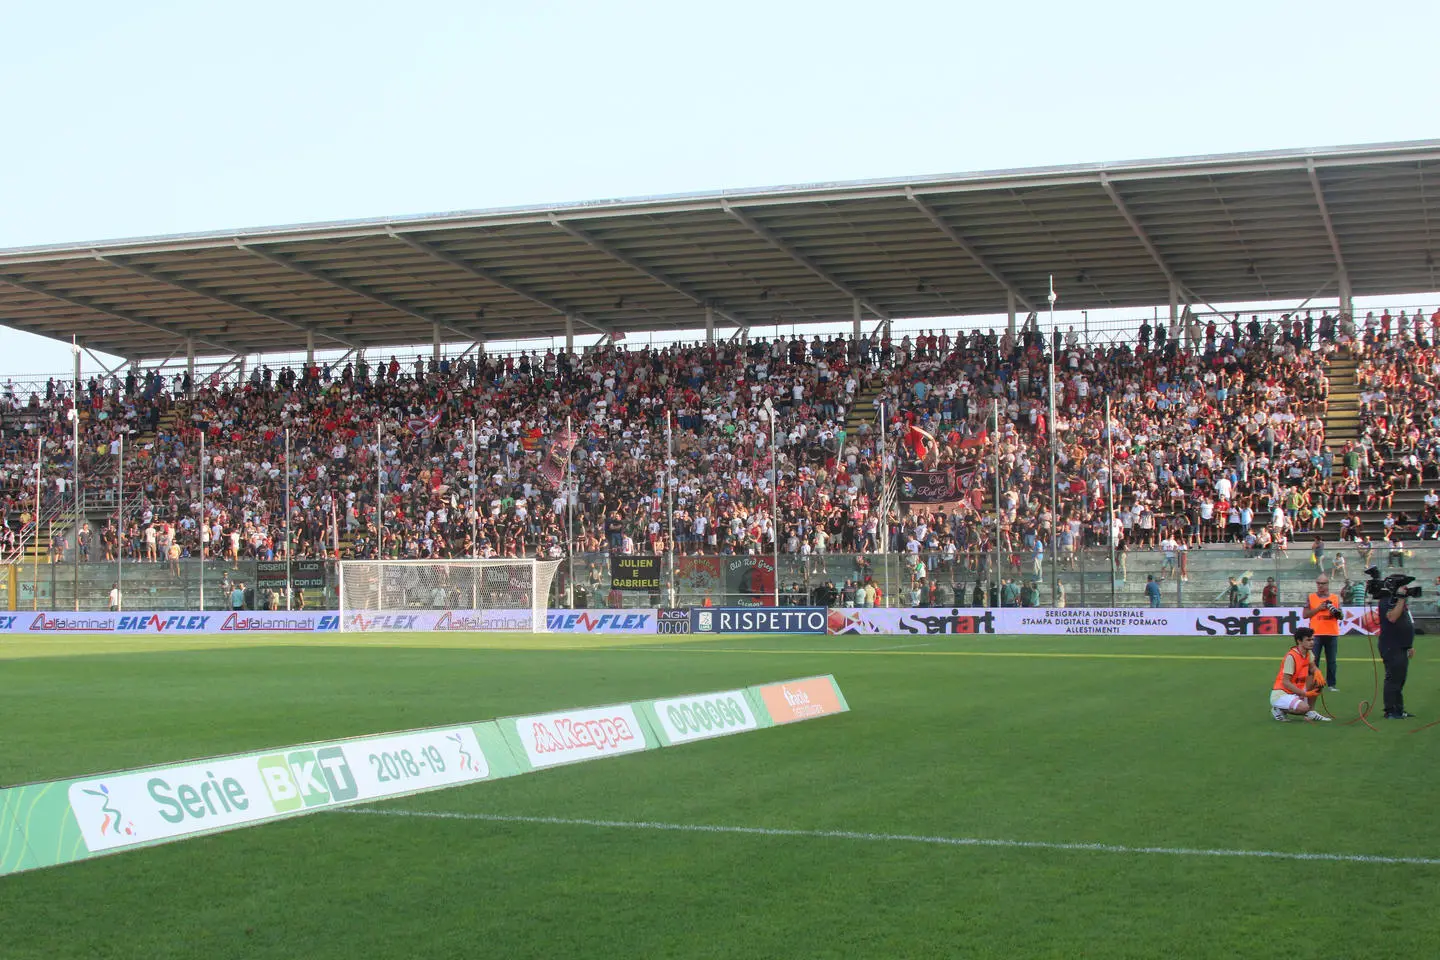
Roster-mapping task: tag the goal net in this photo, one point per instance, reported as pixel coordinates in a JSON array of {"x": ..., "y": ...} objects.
[{"x": 445, "y": 594}]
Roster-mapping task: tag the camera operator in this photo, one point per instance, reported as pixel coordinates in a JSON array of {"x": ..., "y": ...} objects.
[
  {"x": 1322, "y": 609},
  {"x": 1397, "y": 646}
]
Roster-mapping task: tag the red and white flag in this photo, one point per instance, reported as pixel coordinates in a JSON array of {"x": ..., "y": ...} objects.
[{"x": 552, "y": 465}]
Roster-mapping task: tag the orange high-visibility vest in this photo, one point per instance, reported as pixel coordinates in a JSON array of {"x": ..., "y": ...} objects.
[{"x": 1302, "y": 669}]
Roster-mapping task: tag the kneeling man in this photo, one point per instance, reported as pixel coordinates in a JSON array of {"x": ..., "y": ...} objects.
[{"x": 1298, "y": 683}]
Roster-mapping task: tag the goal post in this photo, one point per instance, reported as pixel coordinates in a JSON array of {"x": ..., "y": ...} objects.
[{"x": 493, "y": 594}]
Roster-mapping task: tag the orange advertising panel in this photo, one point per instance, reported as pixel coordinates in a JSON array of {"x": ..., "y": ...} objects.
[{"x": 801, "y": 699}]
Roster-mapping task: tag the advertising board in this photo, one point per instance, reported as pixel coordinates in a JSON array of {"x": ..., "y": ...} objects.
[
  {"x": 569, "y": 736},
  {"x": 758, "y": 620},
  {"x": 1134, "y": 621}
]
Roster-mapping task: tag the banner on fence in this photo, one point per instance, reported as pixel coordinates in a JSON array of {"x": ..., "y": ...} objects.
[
  {"x": 758, "y": 620},
  {"x": 304, "y": 574},
  {"x": 634, "y": 573},
  {"x": 1138, "y": 621}
]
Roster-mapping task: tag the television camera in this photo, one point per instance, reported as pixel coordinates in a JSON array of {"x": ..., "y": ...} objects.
[{"x": 1390, "y": 588}]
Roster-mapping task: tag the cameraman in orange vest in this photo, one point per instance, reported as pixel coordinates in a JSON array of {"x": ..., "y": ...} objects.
[
  {"x": 1298, "y": 683},
  {"x": 1322, "y": 609}
]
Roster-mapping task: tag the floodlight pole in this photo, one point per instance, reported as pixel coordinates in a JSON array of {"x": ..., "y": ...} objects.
[{"x": 1054, "y": 442}]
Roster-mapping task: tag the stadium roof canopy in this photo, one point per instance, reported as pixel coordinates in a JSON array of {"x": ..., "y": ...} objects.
[{"x": 1234, "y": 228}]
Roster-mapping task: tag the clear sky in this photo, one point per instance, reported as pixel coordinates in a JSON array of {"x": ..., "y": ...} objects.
[{"x": 147, "y": 118}]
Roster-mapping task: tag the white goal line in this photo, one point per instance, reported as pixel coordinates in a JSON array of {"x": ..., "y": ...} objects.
[{"x": 895, "y": 837}]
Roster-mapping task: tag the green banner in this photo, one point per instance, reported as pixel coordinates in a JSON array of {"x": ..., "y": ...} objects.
[{"x": 45, "y": 824}]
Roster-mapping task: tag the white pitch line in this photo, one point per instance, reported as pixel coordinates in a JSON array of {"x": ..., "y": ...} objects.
[
  {"x": 896, "y": 837},
  {"x": 905, "y": 646}
]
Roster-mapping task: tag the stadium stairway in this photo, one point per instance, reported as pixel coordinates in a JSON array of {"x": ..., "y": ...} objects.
[
  {"x": 1342, "y": 420},
  {"x": 863, "y": 410}
]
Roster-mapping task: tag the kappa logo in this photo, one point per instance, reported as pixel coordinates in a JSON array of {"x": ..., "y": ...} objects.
[
  {"x": 600, "y": 735},
  {"x": 113, "y": 819}
]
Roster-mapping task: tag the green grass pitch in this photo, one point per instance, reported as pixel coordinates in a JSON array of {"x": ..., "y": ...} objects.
[{"x": 1127, "y": 742}]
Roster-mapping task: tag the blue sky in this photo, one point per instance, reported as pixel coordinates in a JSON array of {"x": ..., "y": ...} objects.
[{"x": 152, "y": 118}]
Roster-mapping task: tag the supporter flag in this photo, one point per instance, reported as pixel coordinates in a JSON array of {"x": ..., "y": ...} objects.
[
  {"x": 979, "y": 440},
  {"x": 918, "y": 441},
  {"x": 552, "y": 465}
]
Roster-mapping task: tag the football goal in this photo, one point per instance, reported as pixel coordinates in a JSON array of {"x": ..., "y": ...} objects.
[{"x": 473, "y": 594}]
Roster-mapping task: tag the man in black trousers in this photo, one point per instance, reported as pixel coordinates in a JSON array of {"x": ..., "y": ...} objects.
[{"x": 1397, "y": 646}]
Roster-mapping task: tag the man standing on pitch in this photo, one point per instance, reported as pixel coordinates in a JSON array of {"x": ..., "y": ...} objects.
[
  {"x": 1322, "y": 609},
  {"x": 1397, "y": 646}
]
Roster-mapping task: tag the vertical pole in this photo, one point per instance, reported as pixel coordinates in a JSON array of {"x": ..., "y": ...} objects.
[
  {"x": 775, "y": 504},
  {"x": 435, "y": 342},
  {"x": 120, "y": 524},
  {"x": 75, "y": 496},
  {"x": 856, "y": 329},
  {"x": 474, "y": 493},
  {"x": 288, "y": 542},
  {"x": 670, "y": 499},
  {"x": 189, "y": 362},
  {"x": 570, "y": 500},
  {"x": 1054, "y": 439},
  {"x": 569, "y": 333},
  {"x": 882, "y": 502},
  {"x": 1347, "y": 306},
  {"x": 35, "y": 547},
  {"x": 1010, "y": 310},
  {"x": 1174, "y": 305},
  {"x": 1086, "y": 315},
  {"x": 1110, "y": 492},
  {"x": 309, "y": 347},
  {"x": 379, "y": 492},
  {"x": 204, "y": 521},
  {"x": 995, "y": 577}
]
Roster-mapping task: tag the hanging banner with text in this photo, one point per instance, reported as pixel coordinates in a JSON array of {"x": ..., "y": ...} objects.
[{"x": 634, "y": 573}]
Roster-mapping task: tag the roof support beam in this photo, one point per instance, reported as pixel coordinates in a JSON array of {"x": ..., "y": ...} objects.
[
  {"x": 1343, "y": 274},
  {"x": 290, "y": 263},
  {"x": 683, "y": 289},
  {"x": 430, "y": 250},
  {"x": 764, "y": 233},
  {"x": 1141, "y": 235},
  {"x": 87, "y": 304},
  {"x": 934, "y": 217},
  {"x": 229, "y": 301}
]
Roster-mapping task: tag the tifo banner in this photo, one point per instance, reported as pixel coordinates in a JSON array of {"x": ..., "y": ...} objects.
[
  {"x": 1138, "y": 621},
  {"x": 304, "y": 574},
  {"x": 750, "y": 580},
  {"x": 46, "y": 824},
  {"x": 634, "y": 573},
  {"x": 928, "y": 486},
  {"x": 758, "y": 620}
]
